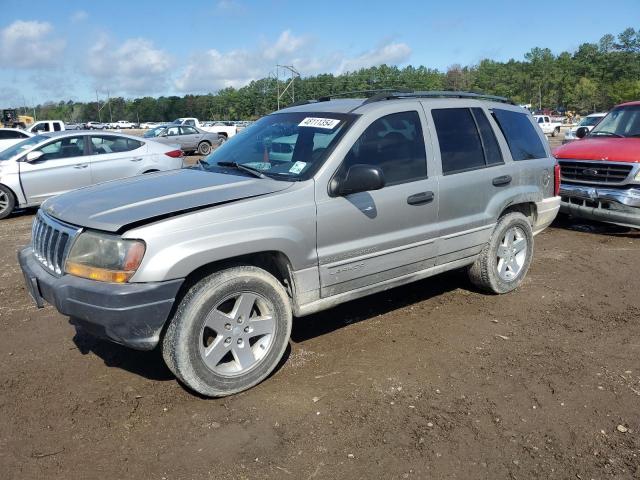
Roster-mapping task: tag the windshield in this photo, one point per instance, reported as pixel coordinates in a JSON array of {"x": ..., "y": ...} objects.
[
  {"x": 154, "y": 132},
  {"x": 620, "y": 122},
  {"x": 589, "y": 121},
  {"x": 289, "y": 146},
  {"x": 23, "y": 146}
]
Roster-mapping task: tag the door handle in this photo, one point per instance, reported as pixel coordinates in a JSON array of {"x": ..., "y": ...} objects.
[
  {"x": 137, "y": 159},
  {"x": 503, "y": 180},
  {"x": 420, "y": 198},
  {"x": 81, "y": 165}
]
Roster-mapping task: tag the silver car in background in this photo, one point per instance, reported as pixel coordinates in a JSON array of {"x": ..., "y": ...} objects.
[
  {"x": 56, "y": 162},
  {"x": 190, "y": 139}
]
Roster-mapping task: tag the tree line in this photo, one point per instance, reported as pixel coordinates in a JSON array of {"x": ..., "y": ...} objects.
[{"x": 593, "y": 78}]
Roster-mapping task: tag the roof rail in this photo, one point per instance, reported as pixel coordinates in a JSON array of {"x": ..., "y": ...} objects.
[
  {"x": 327, "y": 98},
  {"x": 434, "y": 94}
]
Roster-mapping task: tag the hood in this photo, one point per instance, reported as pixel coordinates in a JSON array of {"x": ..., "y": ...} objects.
[
  {"x": 609, "y": 148},
  {"x": 113, "y": 205}
]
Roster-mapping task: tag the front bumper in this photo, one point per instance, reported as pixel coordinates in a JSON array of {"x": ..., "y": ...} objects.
[
  {"x": 131, "y": 314},
  {"x": 617, "y": 206}
]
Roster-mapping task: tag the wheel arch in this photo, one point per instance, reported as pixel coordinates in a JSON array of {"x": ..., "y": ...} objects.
[{"x": 275, "y": 262}]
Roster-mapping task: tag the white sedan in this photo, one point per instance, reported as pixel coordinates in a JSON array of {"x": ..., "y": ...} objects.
[
  {"x": 11, "y": 136},
  {"x": 589, "y": 121},
  {"x": 52, "y": 163}
]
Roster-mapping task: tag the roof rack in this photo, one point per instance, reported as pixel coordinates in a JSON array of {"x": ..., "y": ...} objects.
[
  {"x": 434, "y": 94},
  {"x": 327, "y": 98}
]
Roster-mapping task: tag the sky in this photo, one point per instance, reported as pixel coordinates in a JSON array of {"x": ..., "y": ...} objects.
[{"x": 53, "y": 50}]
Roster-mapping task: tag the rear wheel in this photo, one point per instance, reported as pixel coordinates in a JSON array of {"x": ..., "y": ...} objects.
[
  {"x": 556, "y": 131},
  {"x": 505, "y": 260},
  {"x": 7, "y": 202},
  {"x": 229, "y": 331},
  {"x": 204, "y": 148}
]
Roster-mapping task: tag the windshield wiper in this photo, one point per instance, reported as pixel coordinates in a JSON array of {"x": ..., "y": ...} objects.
[
  {"x": 238, "y": 166},
  {"x": 608, "y": 134}
]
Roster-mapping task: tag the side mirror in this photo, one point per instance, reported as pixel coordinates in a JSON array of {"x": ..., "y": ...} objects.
[
  {"x": 581, "y": 132},
  {"x": 34, "y": 156},
  {"x": 359, "y": 178}
]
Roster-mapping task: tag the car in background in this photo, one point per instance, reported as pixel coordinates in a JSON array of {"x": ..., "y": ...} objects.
[
  {"x": 600, "y": 174},
  {"x": 95, "y": 126},
  {"x": 49, "y": 164},
  {"x": 589, "y": 122},
  {"x": 547, "y": 125},
  {"x": 121, "y": 124},
  {"x": 11, "y": 136},
  {"x": 47, "y": 126},
  {"x": 74, "y": 126},
  {"x": 190, "y": 139}
]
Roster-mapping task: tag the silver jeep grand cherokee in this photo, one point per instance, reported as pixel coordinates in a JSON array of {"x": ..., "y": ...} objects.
[{"x": 311, "y": 206}]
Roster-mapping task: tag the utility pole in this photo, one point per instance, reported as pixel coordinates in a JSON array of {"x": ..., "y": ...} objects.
[
  {"x": 109, "y": 102},
  {"x": 290, "y": 84}
]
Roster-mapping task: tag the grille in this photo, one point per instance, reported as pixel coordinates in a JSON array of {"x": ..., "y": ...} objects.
[
  {"x": 594, "y": 172},
  {"x": 51, "y": 241}
]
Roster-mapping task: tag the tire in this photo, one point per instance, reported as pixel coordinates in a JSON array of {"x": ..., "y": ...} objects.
[
  {"x": 222, "y": 138},
  {"x": 556, "y": 131},
  {"x": 7, "y": 202},
  {"x": 204, "y": 148},
  {"x": 206, "y": 342},
  {"x": 498, "y": 270}
]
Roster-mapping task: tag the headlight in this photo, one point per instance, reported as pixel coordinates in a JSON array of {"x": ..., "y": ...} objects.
[{"x": 105, "y": 258}]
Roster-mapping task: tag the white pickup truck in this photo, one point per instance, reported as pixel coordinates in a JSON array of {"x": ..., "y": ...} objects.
[
  {"x": 47, "y": 126},
  {"x": 121, "y": 124},
  {"x": 547, "y": 126},
  {"x": 225, "y": 131}
]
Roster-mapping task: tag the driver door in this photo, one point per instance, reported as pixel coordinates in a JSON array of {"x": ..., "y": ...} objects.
[
  {"x": 370, "y": 237},
  {"x": 64, "y": 166}
]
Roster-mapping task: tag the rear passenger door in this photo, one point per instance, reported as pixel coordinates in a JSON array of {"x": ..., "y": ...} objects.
[
  {"x": 189, "y": 138},
  {"x": 113, "y": 156},
  {"x": 473, "y": 172},
  {"x": 370, "y": 237}
]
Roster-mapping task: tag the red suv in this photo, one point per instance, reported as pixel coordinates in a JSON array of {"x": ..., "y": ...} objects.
[{"x": 600, "y": 173}]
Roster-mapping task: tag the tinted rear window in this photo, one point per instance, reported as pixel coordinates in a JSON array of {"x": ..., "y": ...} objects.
[
  {"x": 521, "y": 135},
  {"x": 460, "y": 144}
]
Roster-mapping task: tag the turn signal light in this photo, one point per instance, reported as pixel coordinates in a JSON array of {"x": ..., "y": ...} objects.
[{"x": 98, "y": 274}]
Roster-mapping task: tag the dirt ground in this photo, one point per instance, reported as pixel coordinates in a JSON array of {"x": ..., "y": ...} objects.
[{"x": 430, "y": 380}]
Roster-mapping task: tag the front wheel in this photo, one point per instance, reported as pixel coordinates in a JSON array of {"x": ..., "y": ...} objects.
[
  {"x": 229, "y": 332},
  {"x": 505, "y": 260},
  {"x": 7, "y": 202}
]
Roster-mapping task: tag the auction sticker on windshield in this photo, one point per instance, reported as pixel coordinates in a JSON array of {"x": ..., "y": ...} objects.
[{"x": 328, "y": 123}]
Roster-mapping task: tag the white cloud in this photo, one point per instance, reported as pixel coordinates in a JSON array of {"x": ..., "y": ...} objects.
[
  {"x": 212, "y": 70},
  {"x": 135, "y": 66},
  {"x": 390, "y": 54},
  {"x": 79, "y": 16},
  {"x": 29, "y": 44}
]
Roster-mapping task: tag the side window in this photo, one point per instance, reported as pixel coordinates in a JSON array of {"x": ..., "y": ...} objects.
[
  {"x": 540, "y": 119},
  {"x": 395, "y": 144},
  {"x": 57, "y": 127},
  {"x": 188, "y": 131},
  {"x": 190, "y": 122},
  {"x": 460, "y": 144},
  {"x": 522, "y": 137},
  {"x": 492, "y": 153},
  {"x": 41, "y": 127},
  {"x": 172, "y": 131},
  {"x": 113, "y": 144},
  {"x": 64, "y": 148}
]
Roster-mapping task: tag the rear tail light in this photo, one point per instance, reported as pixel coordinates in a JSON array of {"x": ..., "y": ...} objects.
[
  {"x": 174, "y": 153},
  {"x": 556, "y": 180}
]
